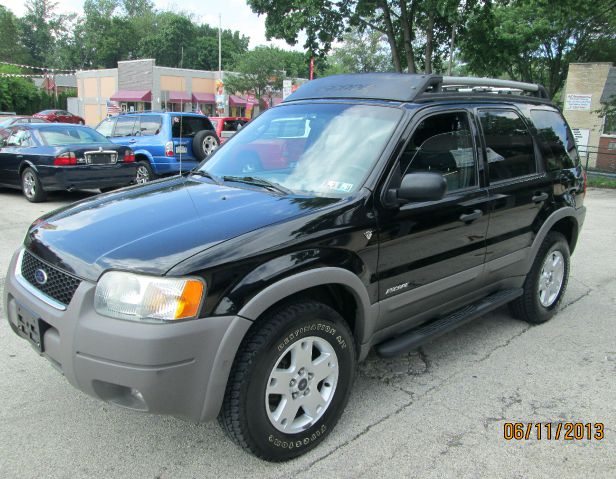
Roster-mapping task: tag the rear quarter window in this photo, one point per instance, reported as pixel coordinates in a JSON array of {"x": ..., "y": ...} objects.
[
  {"x": 189, "y": 126},
  {"x": 150, "y": 125},
  {"x": 555, "y": 139}
]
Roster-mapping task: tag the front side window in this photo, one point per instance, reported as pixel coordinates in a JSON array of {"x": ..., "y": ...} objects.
[
  {"x": 555, "y": 139},
  {"x": 341, "y": 146},
  {"x": 105, "y": 128},
  {"x": 442, "y": 144},
  {"x": 509, "y": 146}
]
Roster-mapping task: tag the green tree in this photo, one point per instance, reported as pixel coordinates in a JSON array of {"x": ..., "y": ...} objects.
[
  {"x": 535, "y": 40},
  {"x": 40, "y": 27},
  {"x": 362, "y": 50},
  {"x": 260, "y": 71},
  {"x": 11, "y": 48},
  {"x": 16, "y": 94}
]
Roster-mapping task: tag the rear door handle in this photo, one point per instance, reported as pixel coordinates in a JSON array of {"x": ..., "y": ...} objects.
[
  {"x": 132, "y": 141},
  {"x": 471, "y": 216},
  {"x": 539, "y": 197}
]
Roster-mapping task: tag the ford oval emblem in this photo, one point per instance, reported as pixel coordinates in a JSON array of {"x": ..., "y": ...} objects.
[{"x": 40, "y": 276}]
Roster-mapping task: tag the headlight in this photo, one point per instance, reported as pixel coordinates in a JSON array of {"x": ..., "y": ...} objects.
[{"x": 148, "y": 298}]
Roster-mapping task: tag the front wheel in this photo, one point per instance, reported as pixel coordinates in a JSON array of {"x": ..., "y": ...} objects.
[
  {"x": 32, "y": 187},
  {"x": 290, "y": 381},
  {"x": 546, "y": 281}
]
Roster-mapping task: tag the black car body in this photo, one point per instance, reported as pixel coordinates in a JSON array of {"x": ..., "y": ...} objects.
[
  {"x": 61, "y": 157},
  {"x": 363, "y": 249}
]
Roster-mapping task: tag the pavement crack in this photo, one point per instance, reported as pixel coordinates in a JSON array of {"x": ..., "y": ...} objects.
[
  {"x": 503, "y": 345},
  {"x": 587, "y": 293}
]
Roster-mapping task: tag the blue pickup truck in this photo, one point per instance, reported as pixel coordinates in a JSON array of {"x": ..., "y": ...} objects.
[{"x": 164, "y": 142}]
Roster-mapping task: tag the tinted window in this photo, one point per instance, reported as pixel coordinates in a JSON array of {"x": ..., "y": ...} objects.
[
  {"x": 125, "y": 126},
  {"x": 150, "y": 125},
  {"x": 442, "y": 144},
  {"x": 555, "y": 140},
  {"x": 56, "y": 135},
  {"x": 509, "y": 146},
  {"x": 188, "y": 125},
  {"x": 105, "y": 128}
]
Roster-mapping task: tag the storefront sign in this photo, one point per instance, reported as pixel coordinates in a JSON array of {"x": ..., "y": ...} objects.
[{"x": 575, "y": 101}]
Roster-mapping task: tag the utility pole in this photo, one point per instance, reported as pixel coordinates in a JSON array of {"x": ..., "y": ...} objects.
[{"x": 220, "y": 47}]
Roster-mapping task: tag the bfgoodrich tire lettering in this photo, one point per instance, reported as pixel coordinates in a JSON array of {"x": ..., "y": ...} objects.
[
  {"x": 535, "y": 306},
  {"x": 244, "y": 416}
]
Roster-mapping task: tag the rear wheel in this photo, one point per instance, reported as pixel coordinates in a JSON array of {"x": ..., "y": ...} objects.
[
  {"x": 546, "y": 282},
  {"x": 290, "y": 381},
  {"x": 144, "y": 173},
  {"x": 31, "y": 186}
]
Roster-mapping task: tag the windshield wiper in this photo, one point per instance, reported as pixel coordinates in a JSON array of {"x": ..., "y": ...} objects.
[
  {"x": 205, "y": 174},
  {"x": 251, "y": 180}
]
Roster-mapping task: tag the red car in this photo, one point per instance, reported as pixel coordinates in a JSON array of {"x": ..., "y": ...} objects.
[
  {"x": 59, "y": 116},
  {"x": 227, "y": 126}
]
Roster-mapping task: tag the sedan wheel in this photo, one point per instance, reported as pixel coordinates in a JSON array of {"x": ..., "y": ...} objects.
[
  {"x": 31, "y": 186},
  {"x": 144, "y": 173}
]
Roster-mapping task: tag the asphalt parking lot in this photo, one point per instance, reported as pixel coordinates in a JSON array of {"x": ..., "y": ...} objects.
[{"x": 438, "y": 412}]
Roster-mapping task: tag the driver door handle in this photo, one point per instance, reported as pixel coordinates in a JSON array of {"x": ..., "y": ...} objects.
[
  {"x": 471, "y": 216},
  {"x": 539, "y": 197}
]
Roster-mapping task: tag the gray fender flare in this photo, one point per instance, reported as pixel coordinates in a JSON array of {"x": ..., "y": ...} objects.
[
  {"x": 548, "y": 224},
  {"x": 366, "y": 312}
]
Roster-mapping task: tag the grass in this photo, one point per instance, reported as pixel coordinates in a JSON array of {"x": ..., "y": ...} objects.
[{"x": 601, "y": 182}]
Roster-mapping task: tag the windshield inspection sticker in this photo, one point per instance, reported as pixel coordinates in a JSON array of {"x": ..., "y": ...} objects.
[{"x": 339, "y": 186}]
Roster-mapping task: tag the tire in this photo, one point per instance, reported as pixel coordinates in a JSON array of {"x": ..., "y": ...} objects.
[
  {"x": 31, "y": 186},
  {"x": 253, "y": 412},
  {"x": 204, "y": 144},
  {"x": 546, "y": 282},
  {"x": 144, "y": 173}
]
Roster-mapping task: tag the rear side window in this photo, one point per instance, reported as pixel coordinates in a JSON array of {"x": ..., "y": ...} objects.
[
  {"x": 150, "y": 125},
  {"x": 125, "y": 126},
  {"x": 555, "y": 139},
  {"x": 188, "y": 126},
  {"x": 509, "y": 146}
]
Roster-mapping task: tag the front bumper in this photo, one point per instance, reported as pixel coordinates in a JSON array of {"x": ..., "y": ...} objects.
[{"x": 178, "y": 369}]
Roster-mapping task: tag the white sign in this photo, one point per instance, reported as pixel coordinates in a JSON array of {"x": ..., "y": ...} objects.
[
  {"x": 581, "y": 139},
  {"x": 287, "y": 85},
  {"x": 579, "y": 102}
]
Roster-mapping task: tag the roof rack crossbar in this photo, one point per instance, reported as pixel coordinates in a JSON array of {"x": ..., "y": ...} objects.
[{"x": 535, "y": 89}]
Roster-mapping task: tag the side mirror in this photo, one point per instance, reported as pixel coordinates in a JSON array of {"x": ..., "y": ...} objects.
[{"x": 422, "y": 186}]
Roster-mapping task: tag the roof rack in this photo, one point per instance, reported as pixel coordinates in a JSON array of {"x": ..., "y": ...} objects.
[
  {"x": 489, "y": 85},
  {"x": 404, "y": 87}
]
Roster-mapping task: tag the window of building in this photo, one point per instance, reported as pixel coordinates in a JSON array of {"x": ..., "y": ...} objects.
[
  {"x": 509, "y": 146},
  {"x": 443, "y": 144},
  {"x": 555, "y": 139},
  {"x": 609, "y": 124}
]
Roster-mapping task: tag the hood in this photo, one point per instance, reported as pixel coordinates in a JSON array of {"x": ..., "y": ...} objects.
[{"x": 152, "y": 228}]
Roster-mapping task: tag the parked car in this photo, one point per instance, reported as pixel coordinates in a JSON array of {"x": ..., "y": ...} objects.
[
  {"x": 227, "y": 126},
  {"x": 59, "y": 116},
  {"x": 42, "y": 157},
  {"x": 386, "y": 210},
  {"x": 18, "y": 120},
  {"x": 165, "y": 143}
]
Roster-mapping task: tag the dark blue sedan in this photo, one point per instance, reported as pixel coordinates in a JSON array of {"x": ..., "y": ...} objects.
[{"x": 38, "y": 158}]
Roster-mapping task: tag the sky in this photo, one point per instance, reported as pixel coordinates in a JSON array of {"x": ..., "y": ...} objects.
[{"x": 236, "y": 15}]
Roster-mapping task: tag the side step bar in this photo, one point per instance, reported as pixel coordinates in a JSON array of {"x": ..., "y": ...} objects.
[{"x": 416, "y": 337}]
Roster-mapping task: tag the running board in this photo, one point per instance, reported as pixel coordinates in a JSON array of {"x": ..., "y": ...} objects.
[{"x": 416, "y": 337}]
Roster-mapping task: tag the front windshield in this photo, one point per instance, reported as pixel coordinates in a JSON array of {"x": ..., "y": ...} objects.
[
  {"x": 57, "y": 135},
  {"x": 315, "y": 149}
]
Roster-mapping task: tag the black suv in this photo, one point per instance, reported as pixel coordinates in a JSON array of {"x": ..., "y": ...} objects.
[{"x": 366, "y": 211}]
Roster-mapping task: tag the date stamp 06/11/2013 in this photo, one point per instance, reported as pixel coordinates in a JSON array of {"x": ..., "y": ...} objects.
[{"x": 567, "y": 431}]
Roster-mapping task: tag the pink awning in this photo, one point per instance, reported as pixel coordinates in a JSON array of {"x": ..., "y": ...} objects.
[
  {"x": 132, "y": 95},
  {"x": 179, "y": 97},
  {"x": 204, "y": 98},
  {"x": 236, "y": 101}
]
